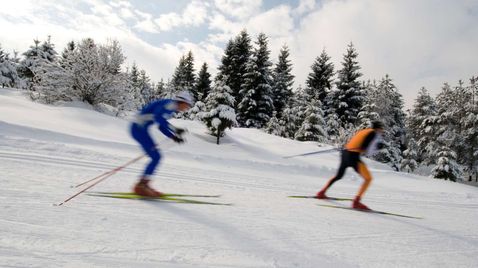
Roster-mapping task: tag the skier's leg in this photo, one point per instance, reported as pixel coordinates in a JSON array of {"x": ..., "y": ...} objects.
[
  {"x": 361, "y": 168},
  {"x": 141, "y": 135},
  {"x": 340, "y": 173},
  {"x": 147, "y": 143}
]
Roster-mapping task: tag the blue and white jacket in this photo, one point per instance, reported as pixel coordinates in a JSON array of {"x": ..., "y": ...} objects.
[{"x": 158, "y": 112}]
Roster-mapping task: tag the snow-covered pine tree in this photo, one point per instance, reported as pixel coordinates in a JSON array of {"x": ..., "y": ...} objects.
[
  {"x": 388, "y": 103},
  {"x": 33, "y": 58},
  {"x": 348, "y": 99},
  {"x": 313, "y": 127},
  {"x": 257, "y": 105},
  {"x": 470, "y": 130},
  {"x": 146, "y": 88},
  {"x": 159, "y": 89},
  {"x": 169, "y": 90},
  {"x": 294, "y": 114},
  {"x": 289, "y": 121},
  {"x": 233, "y": 63},
  {"x": 446, "y": 167},
  {"x": 219, "y": 113},
  {"x": 448, "y": 138},
  {"x": 275, "y": 126},
  {"x": 135, "y": 87},
  {"x": 369, "y": 111},
  {"x": 319, "y": 81},
  {"x": 409, "y": 162},
  {"x": 334, "y": 129},
  {"x": 242, "y": 51},
  {"x": 66, "y": 55},
  {"x": 203, "y": 85},
  {"x": 282, "y": 82},
  {"x": 423, "y": 108},
  {"x": 184, "y": 77},
  {"x": 8, "y": 71}
]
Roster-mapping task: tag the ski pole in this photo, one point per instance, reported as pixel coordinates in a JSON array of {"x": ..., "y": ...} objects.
[
  {"x": 112, "y": 171},
  {"x": 117, "y": 168},
  {"x": 78, "y": 193},
  {"x": 105, "y": 176},
  {"x": 316, "y": 152},
  {"x": 321, "y": 151}
]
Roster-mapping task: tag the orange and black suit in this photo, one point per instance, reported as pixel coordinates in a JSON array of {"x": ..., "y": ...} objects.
[{"x": 360, "y": 143}]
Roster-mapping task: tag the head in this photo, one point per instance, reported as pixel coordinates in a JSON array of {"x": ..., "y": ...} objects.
[
  {"x": 378, "y": 126},
  {"x": 184, "y": 100}
]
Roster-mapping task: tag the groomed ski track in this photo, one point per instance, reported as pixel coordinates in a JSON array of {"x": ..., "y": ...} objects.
[{"x": 40, "y": 162}]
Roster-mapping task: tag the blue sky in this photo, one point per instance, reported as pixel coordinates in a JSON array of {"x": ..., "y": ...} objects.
[{"x": 418, "y": 43}]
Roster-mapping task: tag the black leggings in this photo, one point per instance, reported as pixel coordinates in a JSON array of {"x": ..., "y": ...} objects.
[{"x": 349, "y": 159}]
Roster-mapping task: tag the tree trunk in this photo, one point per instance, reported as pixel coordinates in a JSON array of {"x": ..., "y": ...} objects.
[{"x": 218, "y": 135}]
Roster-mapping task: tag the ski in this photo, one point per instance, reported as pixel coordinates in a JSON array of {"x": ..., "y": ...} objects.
[
  {"x": 169, "y": 199},
  {"x": 372, "y": 211},
  {"x": 315, "y": 197},
  {"x": 164, "y": 194}
]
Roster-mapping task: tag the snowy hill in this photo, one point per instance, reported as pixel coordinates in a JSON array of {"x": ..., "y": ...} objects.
[{"x": 46, "y": 149}]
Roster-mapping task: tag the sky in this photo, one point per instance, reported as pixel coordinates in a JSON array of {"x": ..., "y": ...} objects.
[{"x": 418, "y": 43}]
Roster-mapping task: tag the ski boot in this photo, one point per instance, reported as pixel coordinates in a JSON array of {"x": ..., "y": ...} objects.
[
  {"x": 142, "y": 188},
  {"x": 358, "y": 205},
  {"x": 321, "y": 195}
]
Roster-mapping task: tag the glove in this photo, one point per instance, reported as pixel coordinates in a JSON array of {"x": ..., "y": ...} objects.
[
  {"x": 180, "y": 131},
  {"x": 178, "y": 139}
]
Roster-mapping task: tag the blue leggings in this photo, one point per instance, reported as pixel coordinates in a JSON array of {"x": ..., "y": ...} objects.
[{"x": 141, "y": 135}]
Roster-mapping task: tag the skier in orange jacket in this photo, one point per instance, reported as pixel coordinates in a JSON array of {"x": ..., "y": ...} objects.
[{"x": 365, "y": 141}]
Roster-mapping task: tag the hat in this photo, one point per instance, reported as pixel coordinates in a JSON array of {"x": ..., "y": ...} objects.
[
  {"x": 185, "y": 97},
  {"x": 377, "y": 124}
]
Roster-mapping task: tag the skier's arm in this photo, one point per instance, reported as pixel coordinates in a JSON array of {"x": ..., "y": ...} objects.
[
  {"x": 163, "y": 123},
  {"x": 366, "y": 143}
]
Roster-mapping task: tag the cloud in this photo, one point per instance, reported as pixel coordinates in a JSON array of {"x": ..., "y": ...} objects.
[
  {"x": 304, "y": 7},
  {"x": 274, "y": 22},
  {"x": 406, "y": 39},
  {"x": 194, "y": 14},
  {"x": 416, "y": 45},
  {"x": 240, "y": 9}
]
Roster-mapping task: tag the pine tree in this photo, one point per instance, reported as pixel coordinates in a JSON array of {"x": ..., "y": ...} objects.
[
  {"x": 257, "y": 106},
  {"x": 446, "y": 167},
  {"x": 282, "y": 81},
  {"x": 146, "y": 89},
  {"x": 275, "y": 126},
  {"x": 348, "y": 99},
  {"x": 203, "y": 85},
  {"x": 319, "y": 81},
  {"x": 184, "y": 78},
  {"x": 8, "y": 71},
  {"x": 159, "y": 89},
  {"x": 294, "y": 114},
  {"x": 66, "y": 55},
  {"x": 234, "y": 62},
  {"x": 219, "y": 113},
  {"x": 313, "y": 127},
  {"x": 242, "y": 51},
  {"x": 34, "y": 57},
  {"x": 470, "y": 130},
  {"x": 409, "y": 162},
  {"x": 420, "y": 124},
  {"x": 388, "y": 104},
  {"x": 135, "y": 87},
  {"x": 369, "y": 111}
]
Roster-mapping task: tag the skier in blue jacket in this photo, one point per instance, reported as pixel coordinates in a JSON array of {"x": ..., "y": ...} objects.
[{"x": 157, "y": 112}]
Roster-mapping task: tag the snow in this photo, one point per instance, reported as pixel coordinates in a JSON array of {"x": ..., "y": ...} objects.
[{"x": 46, "y": 149}]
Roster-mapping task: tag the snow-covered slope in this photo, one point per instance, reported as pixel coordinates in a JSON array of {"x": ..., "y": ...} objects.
[{"x": 45, "y": 149}]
